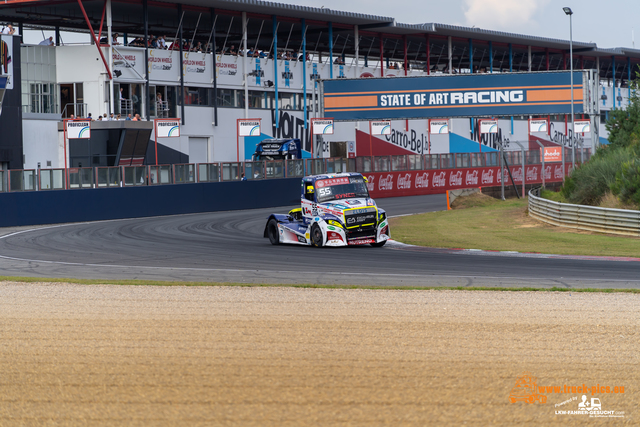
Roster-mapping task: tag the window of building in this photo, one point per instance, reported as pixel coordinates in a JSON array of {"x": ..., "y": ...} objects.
[{"x": 39, "y": 94}]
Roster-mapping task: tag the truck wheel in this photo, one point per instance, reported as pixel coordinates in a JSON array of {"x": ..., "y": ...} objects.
[
  {"x": 378, "y": 244},
  {"x": 316, "y": 236},
  {"x": 272, "y": 231}
]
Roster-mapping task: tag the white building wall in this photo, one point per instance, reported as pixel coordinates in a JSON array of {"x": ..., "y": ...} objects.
[
  {"x": 46, "y": 132},
  {"x": 82, "y": 64}
]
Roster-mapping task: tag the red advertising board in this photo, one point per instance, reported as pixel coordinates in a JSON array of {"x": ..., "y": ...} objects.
[
  {"x": 552, "y": 154},
  {"x": 413, "y": 183}
]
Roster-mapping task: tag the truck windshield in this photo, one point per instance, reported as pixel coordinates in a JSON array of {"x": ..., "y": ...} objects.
[{"x": 341, "y": 188}]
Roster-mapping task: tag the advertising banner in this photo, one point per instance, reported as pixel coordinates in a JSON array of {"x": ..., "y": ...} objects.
[
  {"x": 128, "y": 64},
  {"x": 164, "y": 65},
  {"x": 552, "y": 154},
  {"x": 380, "y": 127},
  {"x": 438, "y": 126},
  {"x": 488, "y": 126},
  {"x": 78, "y": 129},
  {"x": 322, "y": 126},
  {"x": 463, "y": 95},
  {"x": 412, "y": 183},
  {"x": 582, "y": 126},
  {"x": 538, "y": 126},
  {"x": 248, "y": 127},
  {"x": 6, "y": 60},
  {"x": 167, "y": 128},
  {"x": 197, "y": 67}
]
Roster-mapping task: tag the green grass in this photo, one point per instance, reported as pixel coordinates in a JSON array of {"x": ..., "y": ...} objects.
[
  {"x": 492, "y": 224},
  {"x": 554, "y": 196},
  {"x": 302, "y": 285}
]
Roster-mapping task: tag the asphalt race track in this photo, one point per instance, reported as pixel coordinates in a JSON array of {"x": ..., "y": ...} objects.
[{"x": 229, "y": 247}]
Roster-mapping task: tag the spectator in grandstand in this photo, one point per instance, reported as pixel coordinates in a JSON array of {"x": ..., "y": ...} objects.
[
  {"x": 197, "y": 48},
  {"x": 161, "y": 42},
  {"x": 136, "y": 118},
  {"x": 118, "y": 117},
  {"x": 153, "y": 42},
  {"x": 129, "y": 117},
  {"x": 99, "y": 119},
  {"x": 47, "y": 42},
  {"x": 114, "y": 41},
  {"x": 8, "y": 30},
  {"x": 232, "y": 50},
  {"x": 112, "y": 117}
]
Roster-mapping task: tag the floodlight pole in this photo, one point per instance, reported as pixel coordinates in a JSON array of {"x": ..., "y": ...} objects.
[{"x": 569, "y": 12}]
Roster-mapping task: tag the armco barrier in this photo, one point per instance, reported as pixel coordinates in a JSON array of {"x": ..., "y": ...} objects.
[
  {"x": 54, "y": 207},
  {"x": 590, "y": 218}
]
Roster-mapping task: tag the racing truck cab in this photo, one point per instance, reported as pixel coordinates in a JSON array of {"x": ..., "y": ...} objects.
[
  {"x": 278, "y": 149},
  {"x": 335, "y": 210}
]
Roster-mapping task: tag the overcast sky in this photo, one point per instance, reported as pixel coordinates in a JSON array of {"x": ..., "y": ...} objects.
[{"x": 606, "y": 23}]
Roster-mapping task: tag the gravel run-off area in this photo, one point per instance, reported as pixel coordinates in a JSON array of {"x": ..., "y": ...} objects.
[{"x": 251, "y": 356}]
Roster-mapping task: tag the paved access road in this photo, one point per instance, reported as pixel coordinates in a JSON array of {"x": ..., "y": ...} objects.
[{"x": 229, "y": 247}]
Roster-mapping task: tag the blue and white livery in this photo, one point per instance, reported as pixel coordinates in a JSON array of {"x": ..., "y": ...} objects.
[{"x": 335, "y": 210}]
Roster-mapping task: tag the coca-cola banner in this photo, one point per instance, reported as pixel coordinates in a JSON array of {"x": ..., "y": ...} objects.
[{"x": 412, "y": 183}]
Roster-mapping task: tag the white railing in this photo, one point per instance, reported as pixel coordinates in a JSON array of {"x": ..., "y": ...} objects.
[{"x": 581, "y": 217}]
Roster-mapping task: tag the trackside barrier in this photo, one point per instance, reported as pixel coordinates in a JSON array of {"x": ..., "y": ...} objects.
[
  {"x": 294, "y": 168},
  {"x": 160, "y": 174},
  {"x": 255, "y": 170},
  {"x": 274, "y": 169},
  {"x": 108, "y": 176},
  {"x": 134, "y": 175},
  {"x": 185, "y": 173},
  {"x": 52, "y": 179},
  {"x": 22, "y": 180},
  {"x": 581, "y": 217},
  {"x": 128, "y": 176},
  {"x": 81, "y": 178},
  {"x": 231, "y": 171},
  {"x": 208, "y": 172}
]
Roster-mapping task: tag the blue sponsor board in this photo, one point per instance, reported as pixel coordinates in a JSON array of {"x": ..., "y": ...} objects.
[{"x": 469, "y": 95}]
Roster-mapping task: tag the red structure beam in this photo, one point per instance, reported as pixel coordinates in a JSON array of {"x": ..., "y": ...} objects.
[{"x": 104, "y": 61}]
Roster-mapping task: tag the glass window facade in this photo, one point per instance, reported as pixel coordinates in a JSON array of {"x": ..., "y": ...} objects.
[{"x": 39, "y": 94}]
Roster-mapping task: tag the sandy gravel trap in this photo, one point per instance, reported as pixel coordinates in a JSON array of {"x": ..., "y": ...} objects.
[{"x": 134, "y": 355}]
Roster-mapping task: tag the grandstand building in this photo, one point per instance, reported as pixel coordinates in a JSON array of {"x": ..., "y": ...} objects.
[{"x": 209, "y": 63}]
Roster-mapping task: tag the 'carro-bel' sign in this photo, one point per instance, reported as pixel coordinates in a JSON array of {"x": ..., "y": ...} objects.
[
  {"x": 465, "y": 95},
  {"x": 168, "y": 128},
  {"x": 78, "y": 129}
]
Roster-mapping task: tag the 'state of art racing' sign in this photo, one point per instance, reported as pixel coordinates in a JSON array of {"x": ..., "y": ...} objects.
[
  {"x": 469, "y": 95},
  {"x": 78, "y": 129}
]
